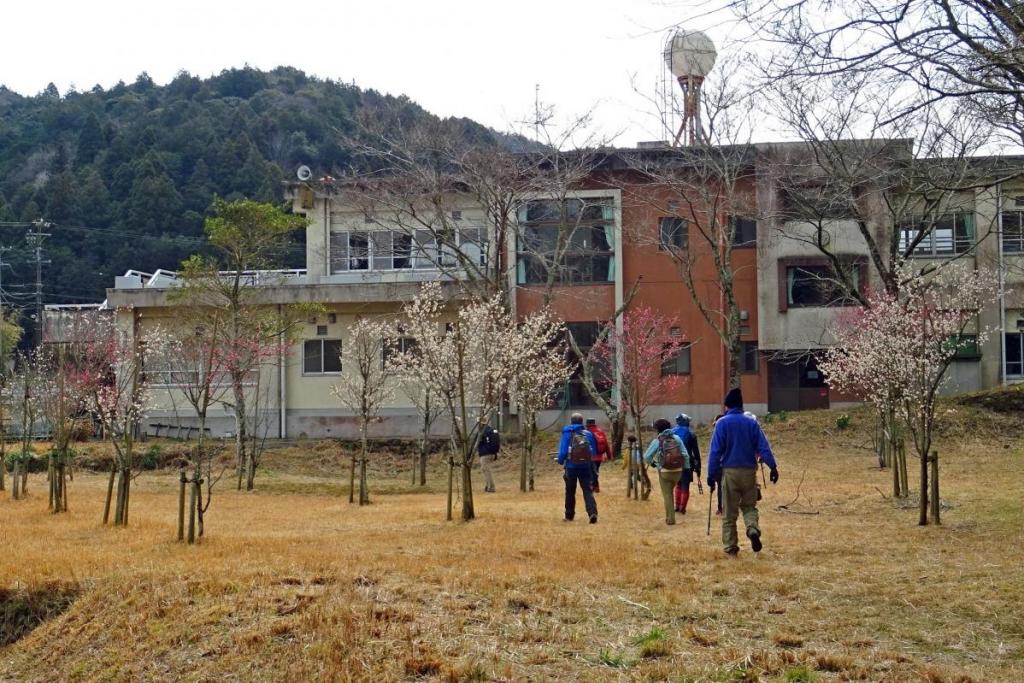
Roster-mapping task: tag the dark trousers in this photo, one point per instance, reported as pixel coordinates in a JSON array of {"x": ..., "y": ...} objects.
[
  {"x": 597, "y": 473},
  {"x": 583, "y": 476}
]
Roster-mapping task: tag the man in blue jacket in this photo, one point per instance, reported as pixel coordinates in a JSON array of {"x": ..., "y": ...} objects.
[
  {"x": 732, "y": 464},
  {"x": 575, "y": 452}
]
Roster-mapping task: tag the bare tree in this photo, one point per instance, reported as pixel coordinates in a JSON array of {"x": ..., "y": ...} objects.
[
  {"x": 365, "y": 386},
  {"x": 962, "y": 52}
]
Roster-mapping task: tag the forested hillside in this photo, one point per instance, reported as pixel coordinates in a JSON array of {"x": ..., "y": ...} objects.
[{"x": 126, "y": 174}]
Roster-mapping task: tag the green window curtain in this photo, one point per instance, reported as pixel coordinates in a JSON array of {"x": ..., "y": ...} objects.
[
  {"x": 608, "y": 216},
  {"x": 520, "y": 262}
]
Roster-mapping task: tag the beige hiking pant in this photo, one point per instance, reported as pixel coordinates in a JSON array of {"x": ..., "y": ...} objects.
[
  {"x": 739, "y": 493},
  {"x": 668, "y": 480},
  {"x": 487, "y": 468}
]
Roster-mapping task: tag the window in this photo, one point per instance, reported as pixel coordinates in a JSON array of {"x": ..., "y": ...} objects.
[
  {"x": 678, "y": 365},
  {"x": 967, "y": 348},
  {"x": 359, "y": 251},
  {"x": 749, "y": 359},
  {"x": 744, "y": 231},
  {"x": 386, "y": 250},
  {"x": 816, "y": 285},
  {"x": 1014, "y": 354},
  {"x": 321, "y": 357},
  {"x": 398, "y": 347},
  {"x": 948, "y": 235},
  {"x": 321, "y": 330},
  {"x": 1013, "y": 232},
  {"x": 574, "y": 238},
  {"x": 673, "y": 233}
]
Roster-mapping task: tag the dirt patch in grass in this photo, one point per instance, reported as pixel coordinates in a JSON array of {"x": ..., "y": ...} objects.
[{"x": 24, "y": 609}]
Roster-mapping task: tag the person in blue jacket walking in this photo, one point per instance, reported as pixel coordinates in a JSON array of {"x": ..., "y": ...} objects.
[
  {"x": 575, "y": 453},
  {"x": 732, "y": 464}
]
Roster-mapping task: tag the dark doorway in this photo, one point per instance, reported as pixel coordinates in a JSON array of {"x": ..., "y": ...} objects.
[{"x": 796, "y": 383}]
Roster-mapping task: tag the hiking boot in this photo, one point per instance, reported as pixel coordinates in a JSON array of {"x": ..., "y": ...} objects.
[
  {"x": 732, "y": 553},
  {"x": 755, "y": 540},
  {"x": 681, "y": 511},
  {"x": 593, "y": 519}
]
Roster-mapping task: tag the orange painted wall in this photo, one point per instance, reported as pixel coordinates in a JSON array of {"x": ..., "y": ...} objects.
[{"x": 661, "y": 288}]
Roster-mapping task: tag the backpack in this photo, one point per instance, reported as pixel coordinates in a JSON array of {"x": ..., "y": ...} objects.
[
  {"x": 671, "y": 455},
  {"x": 579, "y": 448},
  {"x": 490, "y": 442},
  {"x": 602, "y": 442}
]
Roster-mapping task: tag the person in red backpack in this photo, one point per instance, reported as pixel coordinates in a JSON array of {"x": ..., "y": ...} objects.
[{"x": 602, "y": 450}]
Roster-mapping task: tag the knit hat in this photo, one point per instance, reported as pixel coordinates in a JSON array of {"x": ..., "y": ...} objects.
[
  {"x": 734, "y": 399},
  {"x": 683, "y": 420}
]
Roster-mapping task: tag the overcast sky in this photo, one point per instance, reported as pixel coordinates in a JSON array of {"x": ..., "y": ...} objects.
[{"x": 480, "y": 59}]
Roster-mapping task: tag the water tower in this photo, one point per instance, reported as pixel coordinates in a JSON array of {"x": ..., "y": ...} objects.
[{"x": 689, "y": 57}]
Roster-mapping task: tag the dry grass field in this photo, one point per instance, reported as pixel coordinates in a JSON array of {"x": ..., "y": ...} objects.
[{"x": 294, "y": 584}]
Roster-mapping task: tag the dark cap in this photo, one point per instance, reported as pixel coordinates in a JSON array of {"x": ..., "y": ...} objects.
[{"x": 734, "y": 399}]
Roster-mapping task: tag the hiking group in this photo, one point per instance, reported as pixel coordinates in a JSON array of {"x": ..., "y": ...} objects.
[{"x": 738, "y": 447}]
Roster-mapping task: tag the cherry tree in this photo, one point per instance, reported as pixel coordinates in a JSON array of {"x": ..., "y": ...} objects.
[
  {"x": 646, "y": 342},
  {"x": 539, "y": 366},
  {"x": 194, "y": 369},
  {"x": 110, "y": 374},
  {"x": 365, "y": 386},
  {"x": 897, "y": 350},
  {"x": 469, "y": 356}
]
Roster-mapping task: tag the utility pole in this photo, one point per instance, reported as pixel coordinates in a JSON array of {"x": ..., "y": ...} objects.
[{"x": 35, "y": 239}]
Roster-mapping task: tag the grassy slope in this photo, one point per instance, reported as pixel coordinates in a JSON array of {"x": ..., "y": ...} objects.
[{"x": 294, "y": 584}]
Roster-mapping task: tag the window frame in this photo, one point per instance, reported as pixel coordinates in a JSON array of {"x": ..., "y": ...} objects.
[
  {"x": 532, "y": 265},
  {"x": 322, "y": 341},
  {"x": 417, "y": 255},
  {"x": 929, "y": 245},
  {"x": 671, "y": 367},
  {"x": 1020, "y": 354},
  {"x": 734, "y": 223},
  {"x": 1018, "y": 238},
  {"x": 784, "y": 264},
  {"x": 681, "y": 234},
  {"x": 750, "y": 349}
]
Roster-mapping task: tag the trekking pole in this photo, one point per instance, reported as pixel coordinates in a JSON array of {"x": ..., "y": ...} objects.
[
  {"x": 700, "y": 487},
  {"x": 763, "y": 480},
  {"x": 710, "y": 498}
]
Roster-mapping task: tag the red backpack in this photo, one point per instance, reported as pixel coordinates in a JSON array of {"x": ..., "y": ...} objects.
[{"x": 671, "y": 455}]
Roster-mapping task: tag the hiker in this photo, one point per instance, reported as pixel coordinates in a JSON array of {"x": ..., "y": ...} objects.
[
  {"x": 602, "y": 450},
  {"x": 668, "y": 453},
  {"x": 718, "y": 491},
  {"x": 689, "y": 439},
  {"x": 487, "y": 448},
  {"x": 575, "y": 453},
  {"x": 732, "y": 466}
]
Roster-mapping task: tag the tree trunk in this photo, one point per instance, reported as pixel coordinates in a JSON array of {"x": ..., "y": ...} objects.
[
  {"x": 250, "y": 477},
  {"x": 467, "y": 487},
  {"x": 451, "y": 484},
  {"x": 904, "y": 474},
  {"x": 352, "y": 479},
  {"x": 127, "y": 495},
  {"x": 522, "y": 458},
  {"x": 423, "y": 467},
  {"x": 182, "y": 480},
  {"x": 119, "y": 500},
  {"x": 192, "y": 513},
  {"x": 241, "y": 428},
  {"x": 922, "y": 518},
  {"x": 51, "y": 480},
  {"x": 364, "y": 495},
  {"x": 936, "y": 502},
  {"x": 110, "y": 493}
]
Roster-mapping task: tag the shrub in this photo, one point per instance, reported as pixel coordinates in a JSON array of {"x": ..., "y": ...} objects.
[{"x": 843, "y": 421}]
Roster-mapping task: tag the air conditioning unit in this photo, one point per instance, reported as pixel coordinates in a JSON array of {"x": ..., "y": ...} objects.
[{"x": 744, "y": 315}]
